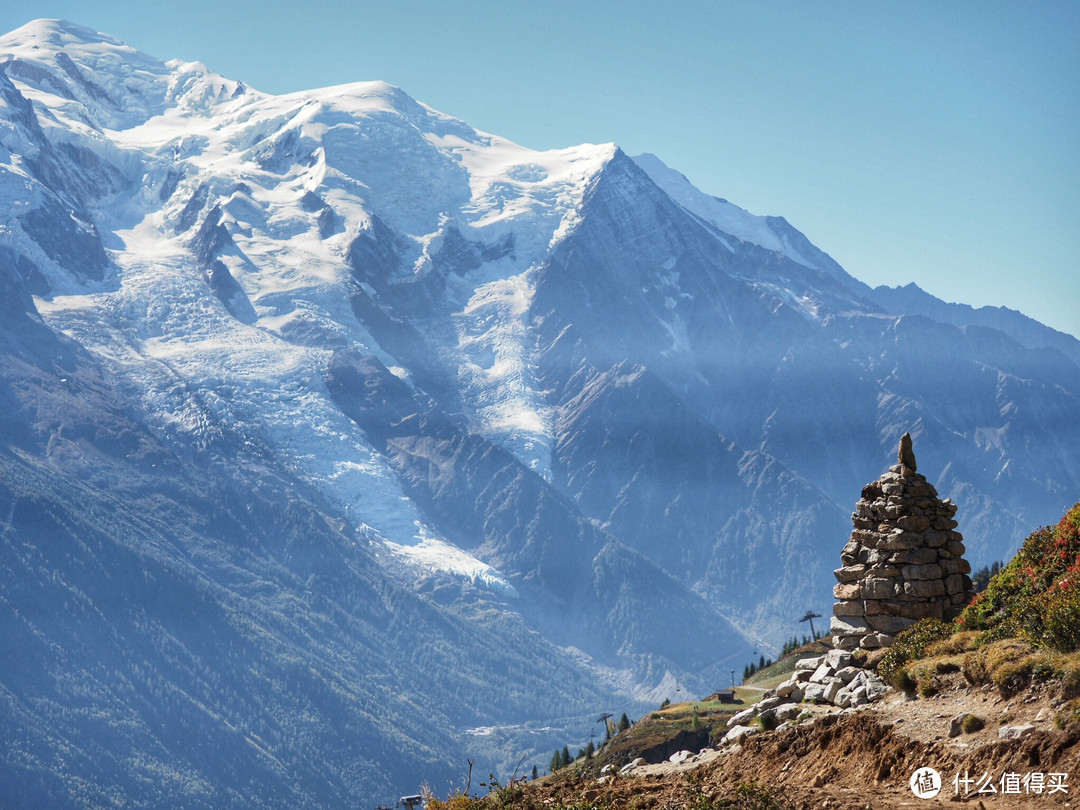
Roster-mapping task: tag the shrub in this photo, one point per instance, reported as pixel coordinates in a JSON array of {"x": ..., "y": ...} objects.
[
  {"x": 972, "y": 723},
  {"x": 1037, "y": 595},
  {"x": 1007, "y": 664},
  {"x": 1011, "y": 677},
  {"x": 911, "y": 645}
]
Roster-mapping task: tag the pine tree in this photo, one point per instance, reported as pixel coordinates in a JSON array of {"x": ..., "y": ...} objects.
[
  {"x": 624, "y": 722},
  {"x": 590, "y": 749},
  {"x": 535, "y": 774},
  {"x": 566, "y": 756},
  {"x": 556, "y": 761}
]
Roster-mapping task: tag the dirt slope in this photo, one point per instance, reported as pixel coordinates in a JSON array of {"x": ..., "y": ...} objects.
[{"x": 866, "y": 758}]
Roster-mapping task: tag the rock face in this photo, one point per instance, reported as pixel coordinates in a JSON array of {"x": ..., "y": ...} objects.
[{"x": 904, "y": 561}]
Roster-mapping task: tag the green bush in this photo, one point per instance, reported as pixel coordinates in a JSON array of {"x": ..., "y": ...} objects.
[
  {"x": 911, "y": 645},
  {"x": 972, "y": 723}
]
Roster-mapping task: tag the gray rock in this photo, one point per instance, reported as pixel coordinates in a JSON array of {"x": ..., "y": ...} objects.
[
  {"x": 821, "y": 674},
  {"x": 928, "y": 571},
  {"x": 879, "y": 588},
  {"x": 1015, "y": 732},
  {"x": 808, "y": 663},
  {"x": 906, "y": 454},
  {"x": 742, "y": 717},
  {"x": 767, "y": 703},
  {"x": 737, "y": 733},
  {"x": 786, "y": 711},
  {"x": 838, "y": 659},
  {"x": 848, "y": 674},
  {"x": 786, "y": 688},
  {"x": 849, "y": 627},
  {"x": 831, "y": 690}
]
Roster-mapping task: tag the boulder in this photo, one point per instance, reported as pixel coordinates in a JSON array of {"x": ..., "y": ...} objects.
[
  {"x": 786, "y": 688},
  {"x": 786, "y": 711},
  {"x": 737, "y": 733},
  {"x": 1015, "y": 732},
  {"x": 742, "y": 717},
  {"x": 821, "y": 674},
  {"x": 838, "y": 659}
]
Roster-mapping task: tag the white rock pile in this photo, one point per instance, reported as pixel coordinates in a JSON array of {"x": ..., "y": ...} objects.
[
  {"x": 831, "y": 678},
  {"x": 904, "y": 561}
]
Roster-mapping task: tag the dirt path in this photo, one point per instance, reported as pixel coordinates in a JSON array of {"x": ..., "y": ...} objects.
[{"x": 866, "y": 758}]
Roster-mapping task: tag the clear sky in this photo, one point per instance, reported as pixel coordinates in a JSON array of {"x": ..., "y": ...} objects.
[{"x": 934, "y": 142}]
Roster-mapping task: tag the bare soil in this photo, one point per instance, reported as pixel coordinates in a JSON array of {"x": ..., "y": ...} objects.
[{"x": 866, "y": 758}]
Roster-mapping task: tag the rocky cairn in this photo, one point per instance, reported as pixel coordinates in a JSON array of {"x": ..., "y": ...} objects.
[{"x": 904, "y": 561}]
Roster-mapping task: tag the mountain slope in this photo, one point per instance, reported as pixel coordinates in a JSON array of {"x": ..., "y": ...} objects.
[{"x": 364, "y": 443}]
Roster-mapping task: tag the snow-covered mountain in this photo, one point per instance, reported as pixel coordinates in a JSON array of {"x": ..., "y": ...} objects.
[{"x": 344, "y": 442}]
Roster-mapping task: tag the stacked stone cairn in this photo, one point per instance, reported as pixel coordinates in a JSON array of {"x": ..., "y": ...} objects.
[{"x": 904, "y": 561}]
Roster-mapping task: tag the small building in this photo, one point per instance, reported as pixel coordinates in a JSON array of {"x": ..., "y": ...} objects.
[{"x": 724, "y": 695}]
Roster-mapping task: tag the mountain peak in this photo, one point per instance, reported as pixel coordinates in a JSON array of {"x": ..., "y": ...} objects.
[{"x": 57, "y": 33}]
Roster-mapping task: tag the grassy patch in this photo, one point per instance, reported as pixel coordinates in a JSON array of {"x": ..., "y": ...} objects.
[{"x": 911, "y": 645}]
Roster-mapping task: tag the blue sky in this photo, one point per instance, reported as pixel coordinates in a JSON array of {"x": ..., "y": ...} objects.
[{"x": 920, "y": 141}]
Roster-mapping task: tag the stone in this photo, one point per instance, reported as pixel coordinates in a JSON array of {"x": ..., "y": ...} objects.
[
  {"x": 905, "y": 455},
  {"x": 954, "y": 584},
  {"x": 822, "y": 673},
  {"x": 929, "y": 571},
  {"x": 679, "y": 757},
  {"x": 914, "y": 610},
  {"x": 786, "y": 688},
  {"x": 814, "y": 691},
  {"x": 1015, "y": 732},
  {"x": 767, "y": 703},
  {"x": 916, "y": 556},
  {"x": 849, "y": 626},
  {"x": 848, "y": 674},
  {"x": 850, "y": 573},
  {"x": 881, "y": 588},
  {"x": 838, "y": 659},
  {"x": 850, "y": 608},
  {"x": 935, "y": 539},
  {"x": 847, "y": 591},
  {"x": 742, "y": 717},
  {"x": 738, "y": 733},
  {"x": 831, "y": 689},
  {"x": 809, "y": 663},
  {"x": 924, "y": 588},
  {"x": 787, "y": 711},
  {"x": 885, "y": 623},
  {"x": 875, "y": 688},
  {"x": 956, "y": 725},
  {"x": 900, "y": 540},
  {"x": 913, "y": 523}
]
